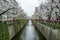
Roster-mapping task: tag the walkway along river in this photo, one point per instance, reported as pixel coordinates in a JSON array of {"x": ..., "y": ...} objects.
[{"x": 29, "y": 33}]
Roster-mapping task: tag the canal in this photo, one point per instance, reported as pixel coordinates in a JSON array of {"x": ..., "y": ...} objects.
[{"x": 29, "y": 33}]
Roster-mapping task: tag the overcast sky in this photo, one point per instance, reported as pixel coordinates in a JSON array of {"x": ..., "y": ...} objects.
[{"x": 29, "y": 5}]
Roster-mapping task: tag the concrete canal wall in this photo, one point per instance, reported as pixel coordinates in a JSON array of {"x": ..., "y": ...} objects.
[
  {"x": 14, "y": 28},
  {"x": 11, "y": 31},
  {"x": 49, "y": 33}
]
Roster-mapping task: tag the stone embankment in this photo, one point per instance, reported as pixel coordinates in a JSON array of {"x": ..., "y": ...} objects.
[
  {"x": 15, "y": 26},
  {"x": 48, "y": 32}
]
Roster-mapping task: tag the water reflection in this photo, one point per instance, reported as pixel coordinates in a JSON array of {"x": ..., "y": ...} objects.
[{"x": 29, "y": 33}]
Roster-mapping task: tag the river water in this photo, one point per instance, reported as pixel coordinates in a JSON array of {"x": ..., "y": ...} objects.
[{"x": 29, "y": 33}]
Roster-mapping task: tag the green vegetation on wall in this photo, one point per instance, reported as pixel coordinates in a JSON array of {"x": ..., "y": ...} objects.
[
  {"x": 18, "y": 24},
  {"x": 4, "y": 34},
  {"x": 50, "y": 24}
]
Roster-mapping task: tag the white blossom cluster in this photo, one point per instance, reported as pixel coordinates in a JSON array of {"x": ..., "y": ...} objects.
[
  {"x": 51, "y": 8},
  {"x": 14, "y": 13}
]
